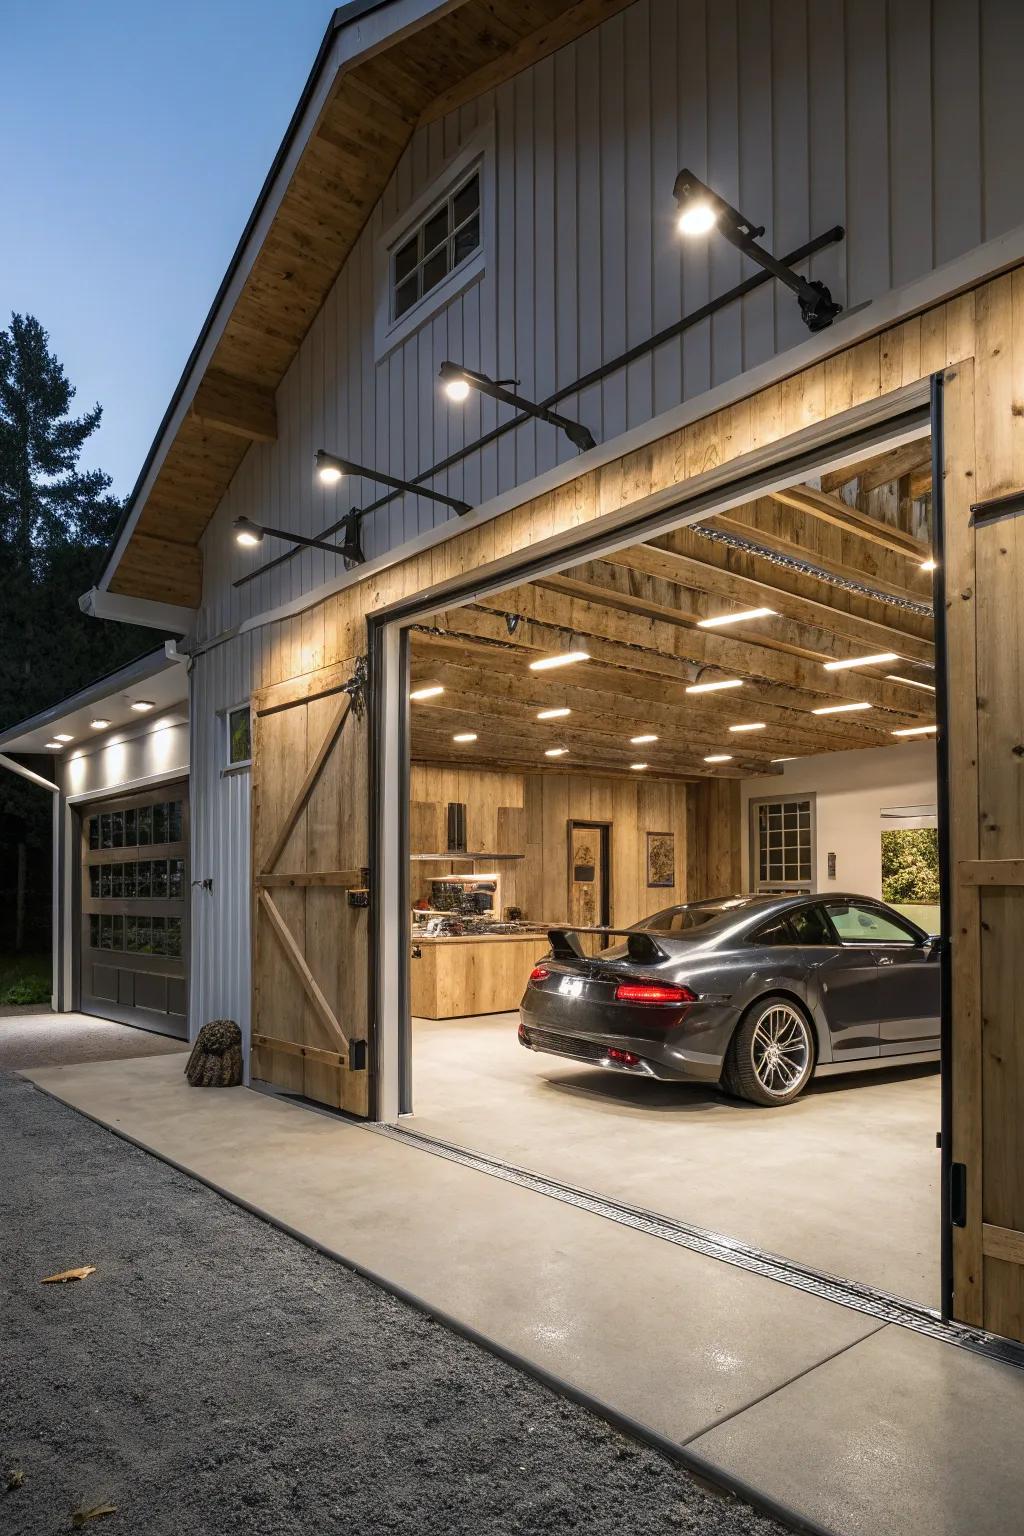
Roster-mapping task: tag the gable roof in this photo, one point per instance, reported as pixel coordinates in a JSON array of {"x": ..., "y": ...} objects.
[{"x": 384, "y": 66}]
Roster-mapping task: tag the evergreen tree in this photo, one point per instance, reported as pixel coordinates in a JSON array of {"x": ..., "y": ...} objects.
[{"x": 56, "y": 521}]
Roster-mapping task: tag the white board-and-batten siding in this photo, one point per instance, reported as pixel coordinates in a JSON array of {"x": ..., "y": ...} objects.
[{"x": 898, "y": 119}]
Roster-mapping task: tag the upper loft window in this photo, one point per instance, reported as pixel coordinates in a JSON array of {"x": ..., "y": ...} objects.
[{"x": 439, "y": 244}]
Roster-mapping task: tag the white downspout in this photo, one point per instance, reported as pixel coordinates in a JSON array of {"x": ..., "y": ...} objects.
[{"x": 37, "y": 778}]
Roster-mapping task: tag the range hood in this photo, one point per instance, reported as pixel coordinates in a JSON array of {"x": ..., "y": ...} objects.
[{"x": 457, "y": 840}]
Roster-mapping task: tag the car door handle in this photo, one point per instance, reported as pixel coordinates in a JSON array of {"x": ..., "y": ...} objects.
[{"x": 885, "y": 959}]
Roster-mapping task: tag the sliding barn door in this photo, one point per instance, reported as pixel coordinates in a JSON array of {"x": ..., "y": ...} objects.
[{"x": 309, "y": 852}]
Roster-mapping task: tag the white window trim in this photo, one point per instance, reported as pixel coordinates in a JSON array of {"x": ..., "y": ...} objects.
[
  {"x": 243, "y": 762},
  {"x": 477, "y": 152}
]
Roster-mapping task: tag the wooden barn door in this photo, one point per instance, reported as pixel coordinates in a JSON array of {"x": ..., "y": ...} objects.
[{"x": 309, "y": 852}]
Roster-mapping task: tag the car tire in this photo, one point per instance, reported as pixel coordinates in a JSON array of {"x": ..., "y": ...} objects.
[{"x": 770, "y": 1059}]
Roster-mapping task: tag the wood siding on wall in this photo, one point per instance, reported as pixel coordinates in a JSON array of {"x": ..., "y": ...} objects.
[{"x": 891, "y": 119}]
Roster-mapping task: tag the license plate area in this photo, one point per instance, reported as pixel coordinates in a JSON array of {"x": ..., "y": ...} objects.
[{"x": 570, "y": 986}]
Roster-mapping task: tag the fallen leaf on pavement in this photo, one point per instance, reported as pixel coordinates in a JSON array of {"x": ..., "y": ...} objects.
[
  {"x": 15, "y": 1478},
  {"x": 97, "y": 1512},
  {"x": 69, "y": 1274}
]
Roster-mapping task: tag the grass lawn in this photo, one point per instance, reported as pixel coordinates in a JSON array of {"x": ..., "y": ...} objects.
[{"x": 25, "y": 979}]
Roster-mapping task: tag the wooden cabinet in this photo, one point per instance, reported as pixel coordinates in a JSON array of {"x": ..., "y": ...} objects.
[{"x": 481, "y": 973}]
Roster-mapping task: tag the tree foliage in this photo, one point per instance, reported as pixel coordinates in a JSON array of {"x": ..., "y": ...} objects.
[
  {"x": 910, "y": 864},
  {"x": 56, "y": 520}
]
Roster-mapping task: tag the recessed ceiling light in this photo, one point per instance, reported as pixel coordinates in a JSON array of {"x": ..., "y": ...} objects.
[
  {"x": 430, "y": 692},
  {"x": 641, "y": 741},
  {"x": 860, "y": 661},
  {"x": 465, "y": 736},
  {"x": 911, "y": 682},
  {"x": 929, "y": 565},
  {"x": 719, "y": 757},
  {"x": 142, "y": 706},
  {"x": 99, "y": 725},
  {"x": 637, "y": 766},
  {"x": 839, "y": 709},
  {"x": 782, "y": 759},
  {"x": 917, "y": 730},
  {"x": 563, "y": 659},
  {"x": 719, "y": 619},
  {"x": 553, "y": 714},
  {"x": 52, "y": 746},
  {"x": 754, "y": 725},
  {"x": 728, "y": 682},
  {"x": 555, "y": 751},
  {"x": 62, "y": 736}
]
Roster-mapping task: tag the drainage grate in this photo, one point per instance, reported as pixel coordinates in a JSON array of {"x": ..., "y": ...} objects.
[{"x": 715, "y": 1245}]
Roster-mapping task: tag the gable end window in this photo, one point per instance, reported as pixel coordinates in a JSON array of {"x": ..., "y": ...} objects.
[{"x": 445, "y": 238}]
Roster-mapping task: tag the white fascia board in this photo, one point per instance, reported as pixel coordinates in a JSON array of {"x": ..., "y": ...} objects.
[
  {"x": 943, "y": 283},
  {"x": 365, "y": 35},
  {"x": 120, "y": 609}
]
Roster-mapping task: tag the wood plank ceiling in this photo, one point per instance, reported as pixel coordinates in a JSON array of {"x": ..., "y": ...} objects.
[
  {"x": 841, "y": 566},
  {"x": 366, "y": 124}
]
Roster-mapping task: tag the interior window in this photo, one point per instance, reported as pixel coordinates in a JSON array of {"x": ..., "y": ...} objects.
[
  {"x": 810, "y": 926},
  {"x": 239, "y": 737},
  {"x": 856, "y": 924}
]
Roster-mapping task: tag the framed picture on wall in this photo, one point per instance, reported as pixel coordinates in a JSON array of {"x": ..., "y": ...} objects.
[{"x": 661, "y": 859}]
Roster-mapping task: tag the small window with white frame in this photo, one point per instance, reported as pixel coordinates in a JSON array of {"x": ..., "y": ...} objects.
[
  {"x": 782, "y": 851},
  {"x": 444, "y": 239},
  {"x": 238, "y": 731}
]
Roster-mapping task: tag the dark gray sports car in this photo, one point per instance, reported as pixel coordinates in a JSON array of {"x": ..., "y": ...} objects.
[{"x": 758, "y": 993}]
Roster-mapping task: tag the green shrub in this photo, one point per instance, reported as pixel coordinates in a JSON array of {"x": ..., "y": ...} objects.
[{"x": 910, "y": 864}]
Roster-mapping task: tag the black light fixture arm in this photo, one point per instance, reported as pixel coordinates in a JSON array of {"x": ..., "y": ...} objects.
[
  {"x": 580, "y": 436},
  {"x": 817, "y": 306},
  {"x": 349, "y": 550},
  {"x": 350, "y": 467}
]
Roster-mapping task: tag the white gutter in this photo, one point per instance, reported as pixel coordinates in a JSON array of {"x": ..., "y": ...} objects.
[{"x": 37, "y": 779}]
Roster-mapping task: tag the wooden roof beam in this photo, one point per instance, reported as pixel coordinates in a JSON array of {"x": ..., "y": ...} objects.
[
  {"x": 881, "y": 468},
  {"x": 830, "y": 509},
  {"x": 235, "y": 405}
]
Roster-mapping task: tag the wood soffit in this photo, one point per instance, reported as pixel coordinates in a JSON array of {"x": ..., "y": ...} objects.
[{"x": 372, "y": 111}]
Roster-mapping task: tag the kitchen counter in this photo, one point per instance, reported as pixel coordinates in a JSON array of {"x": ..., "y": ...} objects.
[{"x": 455, "y": 975}]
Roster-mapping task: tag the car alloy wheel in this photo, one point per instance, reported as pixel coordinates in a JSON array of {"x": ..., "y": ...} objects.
[{"x": 780, "y": 1050}]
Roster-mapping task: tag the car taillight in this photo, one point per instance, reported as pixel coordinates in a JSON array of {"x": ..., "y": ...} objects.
[
  {"x": 539, "y": 973},
  {"x": 623, "y": 1058},
  {"x": 652, "y": 992}
]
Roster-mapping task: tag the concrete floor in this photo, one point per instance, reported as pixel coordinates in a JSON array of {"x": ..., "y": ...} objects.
[
  {"x": 52, "y": 1039},
  {"x": 846, "y": 1179},
  {"x": 852, "y": 1426}
]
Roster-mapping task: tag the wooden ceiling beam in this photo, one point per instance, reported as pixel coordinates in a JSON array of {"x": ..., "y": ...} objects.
[
  {"x": 913, "y": 586},
  {"x": 508, "y": 750},
  {"x": 831, "y": 509},
  {"x": 880, "y": 468},
  {"x": 234, "y": 405}
]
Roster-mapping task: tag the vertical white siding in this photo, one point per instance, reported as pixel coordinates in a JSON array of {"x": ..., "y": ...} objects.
[{"x": 899, "y": 119}]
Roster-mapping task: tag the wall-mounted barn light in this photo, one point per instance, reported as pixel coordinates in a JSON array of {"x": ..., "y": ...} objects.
[
  {"x": 701, "y": 210},
  {"x": 330, "y": 468},
  {"x": 250, "y": 535},
  {"x": 458, "y": 382}
]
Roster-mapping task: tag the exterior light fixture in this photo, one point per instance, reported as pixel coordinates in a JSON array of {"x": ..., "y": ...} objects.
[
  {"x": 839, "y": 709},
  {"x": 917, "y": 730},
  {"x": 720, "y": 619},
  {"x": 458, "y": 382},
  {"x": 465, "y": 736},
  {"x": 330, "y": 468},
  {"x": 727, "y": 682},
  {"x": 431, "y": 691},
  {"x": 860, "y": 661},
  {"x": 641, "y": 741},
  {"x": 701, "y": 210},
  {"x": 909, "y": 682},
  {"x": 62, "y": 736},
  {"x": 929, "y": 565},
  {"x": 754, "y": 725},
  {"x": 719, "y": 757},
  {"x": 563, "y": 659},
  {"x": 553, "y": 714},
  {"x": 250, "y": 534},
  {"x": 140, "y": 706},
  {"x": 99, "y": 724},
  {"x": 636, "y": 767},
  {"x": 555, "y": 751}
]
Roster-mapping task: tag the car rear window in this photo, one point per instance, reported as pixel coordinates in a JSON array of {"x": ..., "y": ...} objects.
[{"x": 680, "y": 919}]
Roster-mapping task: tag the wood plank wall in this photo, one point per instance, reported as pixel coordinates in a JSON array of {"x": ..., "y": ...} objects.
[{"x": 530, "y": 814}]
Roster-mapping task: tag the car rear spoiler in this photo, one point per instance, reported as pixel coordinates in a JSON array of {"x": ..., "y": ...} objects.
[{"x": 641, "y": 946}]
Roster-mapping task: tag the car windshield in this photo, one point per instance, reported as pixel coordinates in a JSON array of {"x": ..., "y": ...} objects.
[{"x": 695, "y": 914}]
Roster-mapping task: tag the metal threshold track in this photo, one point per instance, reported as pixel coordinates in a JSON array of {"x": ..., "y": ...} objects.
[{"x": 875, "y": 1303}]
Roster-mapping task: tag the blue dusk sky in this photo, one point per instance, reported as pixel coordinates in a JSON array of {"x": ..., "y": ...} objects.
[{"x": 134, "y": 139}]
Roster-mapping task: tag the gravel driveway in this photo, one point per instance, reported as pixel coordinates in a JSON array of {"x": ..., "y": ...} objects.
[{"x": 214, "y": 1375}]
